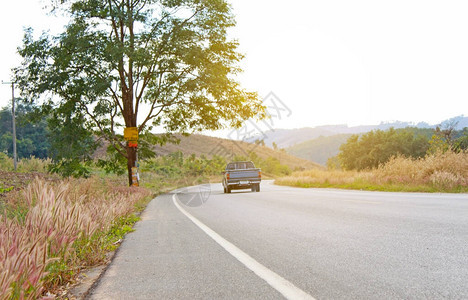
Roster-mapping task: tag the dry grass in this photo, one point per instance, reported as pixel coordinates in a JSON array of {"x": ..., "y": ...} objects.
[
  {"x": 324, "y": 177},
  {"x": 444, "y": 170},
  {"x": 62, "y": 230},
  {"x": 440, "y": 172}
]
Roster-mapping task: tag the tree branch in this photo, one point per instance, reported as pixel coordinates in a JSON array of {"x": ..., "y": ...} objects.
[{"x": 111, "y": 138}]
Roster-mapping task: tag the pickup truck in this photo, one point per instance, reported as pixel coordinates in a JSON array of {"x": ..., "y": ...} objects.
[{"x": 241, "y": 175}]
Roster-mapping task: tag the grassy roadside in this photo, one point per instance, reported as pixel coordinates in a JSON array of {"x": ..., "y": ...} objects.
[
  {"x": 52, "y": 230},
  {"x": 440, "y": 172}
]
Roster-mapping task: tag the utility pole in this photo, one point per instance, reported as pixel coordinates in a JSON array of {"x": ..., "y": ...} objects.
[{"x": 15, "y": 160}]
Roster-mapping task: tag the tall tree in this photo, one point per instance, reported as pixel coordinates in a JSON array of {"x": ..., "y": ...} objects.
[{"x": 139, "y": 63}]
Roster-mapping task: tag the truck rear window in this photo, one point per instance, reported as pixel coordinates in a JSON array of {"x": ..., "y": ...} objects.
[{"x": 240, "y": 165}]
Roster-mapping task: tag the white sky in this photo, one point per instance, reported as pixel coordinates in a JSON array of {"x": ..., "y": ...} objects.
[{"x": 331, "y": 62}]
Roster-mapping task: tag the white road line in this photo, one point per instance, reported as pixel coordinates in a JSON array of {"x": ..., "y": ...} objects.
[{"x": 286, "y": 288}]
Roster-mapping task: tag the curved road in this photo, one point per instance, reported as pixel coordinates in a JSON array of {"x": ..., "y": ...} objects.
[{"x": 329, "y": 244}]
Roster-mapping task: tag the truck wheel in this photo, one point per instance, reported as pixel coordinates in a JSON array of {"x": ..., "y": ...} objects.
[
  {"x": 228, "y": 190},
  {"x": 224, "y": 189},
  {"x": 253, "y": 188},
  {"x": 258, "y": 187}
]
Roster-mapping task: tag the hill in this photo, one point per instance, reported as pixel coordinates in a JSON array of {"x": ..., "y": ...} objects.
[
  {"x": 320, "y": 149},
  {"x": 205, "y": 145}
]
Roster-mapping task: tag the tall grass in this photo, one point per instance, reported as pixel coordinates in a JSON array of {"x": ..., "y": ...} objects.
[
  {"x": 64, "y": 229},
  {"x": 439, "y": 172},
  {"x": 444, "y": 170},
  {"x": 23, "y": 260},
  {"x": 24, "y": 165}
]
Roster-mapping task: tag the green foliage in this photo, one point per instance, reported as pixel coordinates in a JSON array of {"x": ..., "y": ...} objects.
[
  {"x": 333, "y": 163},
  {"x": 4, "y": 190},
  {"x": 437, "y": 144},
  {"x": 260, "y": 142},
  {"x": 462, "y": 142},
  {"x": 119, "y": 229},
  {"x": 448, "y": 138},
  {"x": 72, "y": 146},
  {"x": 92, "y": 249},
  {"x": 270, "y": 165},
  {"x": 377, "y": 147},
  {"x": 273, "y": 166},
  {"x": 58, "y": 273},
  {"x": 6, "y": 163},
  {"x": 114, "y": 163},
  {"x": 47, "y": 133},
  {"x": 31, "y": 132},
  {"x": 175, "y": 165},
  {"x": 67, "y": 167},
  {"x": 115, "y": 58},
  {"x": 447, "y": 132}
]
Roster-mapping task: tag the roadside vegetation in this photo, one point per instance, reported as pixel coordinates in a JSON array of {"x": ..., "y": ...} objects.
[
  {"x": 53, "y": 227},
  {"x": 51, "y": 230},
  {"x": 439, "y": 172},
  {"x": 394, "y": 160}
]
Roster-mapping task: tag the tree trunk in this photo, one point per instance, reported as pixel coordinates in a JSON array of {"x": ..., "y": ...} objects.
[
  {"x": 131, "y": 153},
  {"x": 130, "y": 121}
]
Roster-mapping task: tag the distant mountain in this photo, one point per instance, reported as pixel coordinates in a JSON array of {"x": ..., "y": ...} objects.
[
  {"x": 285, "y": 138},
  {"x": 320, "y": 149},
  {"x": 460, "y": 121}
]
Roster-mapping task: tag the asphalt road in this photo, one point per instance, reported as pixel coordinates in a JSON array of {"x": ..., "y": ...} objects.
[{"x": 329, "y": 244}]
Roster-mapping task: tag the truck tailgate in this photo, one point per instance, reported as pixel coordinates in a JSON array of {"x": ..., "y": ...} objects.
[{"x": 243, "y": 174}]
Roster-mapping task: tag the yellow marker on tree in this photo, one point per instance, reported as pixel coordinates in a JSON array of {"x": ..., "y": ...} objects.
[{"x": 131, "y": 134}]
